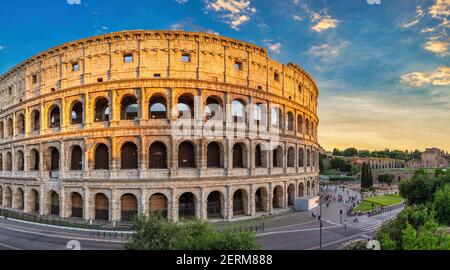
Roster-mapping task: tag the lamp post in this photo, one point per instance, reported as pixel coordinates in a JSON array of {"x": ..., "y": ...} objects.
[{"x": 320, "y": 219}]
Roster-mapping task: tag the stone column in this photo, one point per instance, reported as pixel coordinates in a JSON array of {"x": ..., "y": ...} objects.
[
  {"x": 62, "y": 159},
  {"x": 86, "y": 204},
  {"x": 62, "y": 203},
  {"x": 88, "y": 113},
  {"x": 203, "y": 215},
  {"x": 251, "y": 200},
  {"x": 173, "y": 206},
  {"x": 115, "y": 210},
  {"x": 228, "y": 204}
]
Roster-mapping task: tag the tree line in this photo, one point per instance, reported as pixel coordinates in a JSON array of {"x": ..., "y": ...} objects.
[{"x": 394, "y": 154}]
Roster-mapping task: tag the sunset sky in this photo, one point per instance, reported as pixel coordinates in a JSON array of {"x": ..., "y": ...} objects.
[{"x": 382, "y": 66}]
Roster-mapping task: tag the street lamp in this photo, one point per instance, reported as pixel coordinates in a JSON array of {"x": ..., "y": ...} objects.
[{"x": 320, "y": 219}]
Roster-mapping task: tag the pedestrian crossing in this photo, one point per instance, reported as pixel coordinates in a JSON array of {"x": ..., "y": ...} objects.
[{"x": 371, "y": 224}]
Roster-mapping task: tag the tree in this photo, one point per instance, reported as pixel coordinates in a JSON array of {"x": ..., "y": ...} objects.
[
  {"x": 157, "y": 233},
  {"x": 386, "y": 178},
  {"x": 351, "y": 152},
  {"x": 441, "y": 205},
  {"x": 321, "y": 165},
  {"x": 417, "y": 190},
  {"x": 337, "y": 152},
  {"x": 364, "y": 153},
  {"x": 366, "y": 176}
]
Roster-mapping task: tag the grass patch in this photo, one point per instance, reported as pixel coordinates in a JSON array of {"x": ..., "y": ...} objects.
[
  {"x": 364, "y": 206},
  {"x": 377, "y": 201}
]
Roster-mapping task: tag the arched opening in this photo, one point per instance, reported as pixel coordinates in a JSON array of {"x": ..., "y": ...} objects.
[
  {"x": 291, "y": 157},
  {"x": 54, "y": 203},
  {"x": 301, "y": 157},
  {"x": 308, "y": 188},
  {"x": 55, "y": 117},
  {"x": 277, "y": 117},
  {"x": 77, "y": 205},
  {"x": 238, "y": 111},
  {"x": 129, "y": 156},
  {"x": 258, "y": 156},
  {"x": 33, "y": 162},
  {"x": 307, "y": 126},
  {"x": 128, "y": 108},
  {"x": 35, "y": 120},
  {"x": 76, "y": 159},
  {"x": 258, "y": 114},
  {"x": 8, "y": 197},
  {"x": 213, "y": 109},
  {"x": 278, "y": 157},
  {"x": 299, "y": 124},
  {"x": 186, "y": 107},
  {"x": 186, "y": 205},
  {"x": 308, "y": 158},
  {"x": 2, "y": 130},
  {"x": 215, "y": 202},
  {"x": 101, "y": 159},
  {"x": 313, "y": 188},
  {"x": 238, "y": 156},
  {"x": 158, "y": 156},
  {"x": 102, "y": 110},
  {"x": 101, "y": 207},
  {"x": 261, "y": 198},
  {"x": 9, "y": 125},
  {"x": 77, "y": 113},
  {"x": 20, "y": 161},
  {"x": 19, "y": 199},
  {"x": 159, "y": 204},
  {"x": 8, "y": 162},
  {"x": 128, "y": 207},
  {"x": 291, "y": 194},
  {"x": 186, "y": 155},
  {"x": 54, "y": 159},
  {"x": 301, "y": 190},
  {"x": 20, "y": 125},
  {"x": 1, "y": 196},
  {"x": 33, "y": 206},
  {"x": 277, "y": 197},
  {"x": 240, "y": 203},
  {"x": 158, "y": 107},
  {"x": 213, "y": 155},
  {"x": 1, "y": 163},
  {"x": 290, "y": 121}
]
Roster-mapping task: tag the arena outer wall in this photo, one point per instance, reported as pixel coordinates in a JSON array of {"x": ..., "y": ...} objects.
[{"x": 83, "y": 131}]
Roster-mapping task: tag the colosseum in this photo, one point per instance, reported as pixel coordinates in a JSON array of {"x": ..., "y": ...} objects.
[{"x": 180, "y": 123}]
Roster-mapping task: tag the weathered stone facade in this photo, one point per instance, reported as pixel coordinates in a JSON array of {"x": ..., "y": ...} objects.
[
  {"x": 431, "y": 158},
  {"x": 92, "y": 128}
]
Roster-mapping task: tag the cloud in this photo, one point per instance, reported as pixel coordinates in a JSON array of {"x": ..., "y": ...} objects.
[
  {"x": 297, "y": 18},
  {"x": 2, "y": 47},
  {"x": 326, "y": 52},
  {"x": 188, "y": 24},
  {"x": 440, "y": 9},
  {"x": 439, "y": 77},
  {"x": 181, "y": 1},
  {"x": 233, "y": 12},
  {"x": 419, "y": 14},
  {"x": 323, "y": 22},
  {"x": 74, "y": 2},
  {"x": 273, "y": 47},
  {"x": 437, "y": 47}
]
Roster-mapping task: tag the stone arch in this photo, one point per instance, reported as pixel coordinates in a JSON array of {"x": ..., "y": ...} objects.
[
  {"x": 260, "y": 114},
  {"x": 8, "y": 161},
  {"x": 239, "y": 154},
  {"x": 33, "y": 160},
  {"x": 277, "y": 155},
  {"x": 20, "y": 123},
  {"x": 1, "y": 196},
  {"x": 238, "y": 111},
  {"x": 187, "y": 205},
  {"x": 158, "y": 204},
  {"x": 101, "y": 157},
  {"x": 214, "y": 155},
  {"x": 186, "y": 155},
  {"x": 19, "y": 199},
  {"x": 2, "y": 130},
  {"x": 307, "y": 127},
  {"x": 214, "y": 108},
  {"x": 101, "y": 207},
  {"x": 308, "y": 158},
  {"x": 290, "y": 121},
  {"x": 291, "y": 157},
  {"x": 9, "y": 127},
  {"x": 54, "y": 204},
  {"x": 33, "y": 201},
  {"x": 313, "y": 188},
  {"x": 277, "y": 117},
  {"x": 240, "y": 203},
  {"x": 128, "y": 207},
  {"x": 215, "y": 205},
  {"x": 35, "y": 120},
  {"x": 129, "y": 156},
  {"x": 76, "y": 113},
  {"x": 278, "y": 197},
  {"x": 76, "y": 158},
  {"x": 128, "y": 108},
  {"x": 1, "y": 163},
  {"x": 158, "y": 107},
  {"x": 101, "y": 110},
  {"x": 8, "y": 197},
  {"x": 261, "y": 200},
  {"x": 299, "y": 124},
  {"x": 260, "y": 157},
  {"x": 54, "y": 120},
  {"x": 301, "y": 190},
  {"x": 185, "y": 106},
  {"x": 20, "y": 161},
  {"x": 158, "y": 155},
  {"x": 76, "y": 201},
  {"x": 308, "y": 188},
  {"x": 52, "y": 159},
  {"x": 291, "y": 194}
]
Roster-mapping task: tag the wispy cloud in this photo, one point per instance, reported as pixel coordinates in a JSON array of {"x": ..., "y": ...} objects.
[
  {"x": 181, "y": 1},
  {"x": 437, "y": 47},
  {"x": 323, "y": 22},
  {"x": 274, "y": 47},
  {"x": 440, "y": 9},
  {"x": 326, "y": 52},
  {"x": 233, "y": 12},
  {"x": 3, "y": 47},
  {"x": 439, "y": 77},
  {"x": 74, "y": 2},
  {"x": 419, "y": 14}
]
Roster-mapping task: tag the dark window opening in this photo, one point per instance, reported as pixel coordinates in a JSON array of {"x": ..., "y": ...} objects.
[
  {"x": 101, "y": 159},
  {"x": 186, "y": 155},
  {"x": 158, "y": 108},
  {"x": 77, "y": 113},
  {"x": 213, "y": 155},
  {"x": 129, "y": 156},
  {"x": 129, "y": 108},
  {"x": 158, "y": 156},
  {"x": 102, "y": 110},
  {"x": 76, "y": 162}
]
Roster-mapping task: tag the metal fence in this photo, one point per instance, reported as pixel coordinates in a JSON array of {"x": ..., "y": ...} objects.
[
  {"x": 258, "y": 227},
  {"x": 384, "y": 209}
]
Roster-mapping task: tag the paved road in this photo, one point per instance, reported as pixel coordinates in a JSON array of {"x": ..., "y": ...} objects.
[{"x": 21, "y": 236}]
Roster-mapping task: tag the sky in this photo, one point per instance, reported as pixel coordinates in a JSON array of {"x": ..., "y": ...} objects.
[{"x": 382, "y": 66}]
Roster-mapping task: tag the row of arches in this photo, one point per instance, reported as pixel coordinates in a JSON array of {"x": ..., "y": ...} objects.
[
  {"x": 187, "y": 202},
  {"x": 158, "y": 109}
]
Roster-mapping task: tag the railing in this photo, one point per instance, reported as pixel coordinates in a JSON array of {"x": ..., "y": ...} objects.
[
  {"x": 236, "y": 228},
  {"x": 384, "y": 209}
]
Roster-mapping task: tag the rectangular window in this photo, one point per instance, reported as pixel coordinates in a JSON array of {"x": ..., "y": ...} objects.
[
  {"x": 157, "y": 75},
  {"x": 128, "y": 58},
  {"x": 34, "y": 78},
  {"x": 75, "y": 66},
  {"x": 260, "y": 87},
  {"x": 276, "y": 76},
  {"x": 186, "y": 57},
  {"x": 238, "y": 65},
  {"x": 10, "y": 90},
  {"x": 99, "y": 80}
]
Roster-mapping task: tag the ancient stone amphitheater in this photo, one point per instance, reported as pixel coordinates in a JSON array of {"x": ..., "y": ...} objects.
[{"x": 184, "y": 124}]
